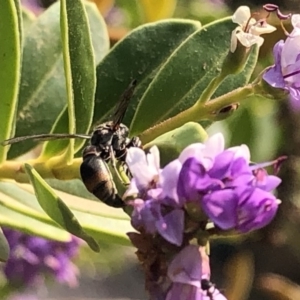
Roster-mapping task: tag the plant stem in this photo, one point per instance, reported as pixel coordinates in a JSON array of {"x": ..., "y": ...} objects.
[
  {"x": 211, "y": 88},
  {"x": 198, "y": 112},
  {"x": 15, "y": 170}
]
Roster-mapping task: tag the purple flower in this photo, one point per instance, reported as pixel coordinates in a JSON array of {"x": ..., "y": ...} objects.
[
  {"x": 33, "y": 258},
  {"x": 152, "y": 216},
  {"x": 232, "y": 194},
  {"x": 188, "y": 273},
  {"x": 285, "y": 74},
  {"x": 221, "y": 183},
  {"x": 149, "y": 182},
  {"x": 158, "y": 208}
]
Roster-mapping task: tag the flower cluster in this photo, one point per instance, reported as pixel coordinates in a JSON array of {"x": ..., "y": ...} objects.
[
  {"x": 285, "y": 74},
  {"x": 205, "y": 184},
  {"x": 33, "y": 258}
]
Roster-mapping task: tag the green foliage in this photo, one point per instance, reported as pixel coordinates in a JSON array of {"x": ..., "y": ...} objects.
[
  {"x": 79, "y": 65},
  {"x": 70, "y": 81},
  {"x": 42, "y": 94},
  {"x": 186, "y": 73},
  {"x": 56, "y": 208},
  {"x": 140, "y": 55},
  {"x": 10, "y": 54}
]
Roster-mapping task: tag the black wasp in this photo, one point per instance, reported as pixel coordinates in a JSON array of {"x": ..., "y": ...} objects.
[{"x": 108, "y": 142}]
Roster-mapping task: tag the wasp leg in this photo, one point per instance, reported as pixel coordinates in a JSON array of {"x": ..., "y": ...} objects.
[{"x": 113, "y": 163}]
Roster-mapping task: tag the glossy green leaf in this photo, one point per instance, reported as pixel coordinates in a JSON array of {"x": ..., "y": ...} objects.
[
  {"x": 9, "y": 69},
  {"x": 181, "y": 80},
  {"x": 42, "y": 91},
  {"x": 85, "y": 201},
  {"x": 104, "y": 223},
  {"x": 138, "y": 56},
  {"x": 20, "y": 22},
  {"x": 173, "y": 142},
  {"x": 112, "y": 230},
  {"x": 16, "y": 192},
  {"x": 56, "y": 208},
  {"x": 4, "y": 247},
  {"x": 21, "y": 222},
  {"x": 80, "y": 69},
  {"x": 14, "y": 203},
  {"x": 65, "y": 36}
]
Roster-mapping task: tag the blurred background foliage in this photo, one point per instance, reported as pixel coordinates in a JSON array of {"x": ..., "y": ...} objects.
[{"x": 264, "y": 265}]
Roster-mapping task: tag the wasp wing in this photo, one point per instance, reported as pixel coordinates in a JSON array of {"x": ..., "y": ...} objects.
[{"x": 123, "y": 105}]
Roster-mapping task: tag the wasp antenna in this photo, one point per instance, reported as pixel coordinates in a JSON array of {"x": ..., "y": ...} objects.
[{"x": 45, "y": 137}]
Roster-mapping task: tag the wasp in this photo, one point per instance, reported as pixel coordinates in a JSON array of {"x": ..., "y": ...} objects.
[{"x": 108, "y": 142}]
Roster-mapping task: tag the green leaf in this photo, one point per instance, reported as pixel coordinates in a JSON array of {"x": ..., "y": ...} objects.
[
  {"x": 28, "y": 19},
  {"x": 20, "y": 22},
  {"x": 105, "y": 229},
  {"x": 56, "y": 208},
  {"x": 72, "y": 188},
  {"x": 173, "y": 142},
  {"x": 42, "y": 90},
  {"x": 9, "y": 69},
  {"x": 4, "y": 247},
  {"x": 80, "y": 71},
  {"x": 138, "y": 56},
  {"x": 181, "y": 80},
  {"x": 101, "y": 221},
  {"x": 15, "y": 220}
]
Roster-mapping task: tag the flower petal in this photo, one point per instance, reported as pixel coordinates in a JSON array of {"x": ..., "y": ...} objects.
[
  {"x": 249, "y": 39},
  {"x": 142, "y": 166},
  {"x": 171, "y": 226},
  {"x": 221, "y": 208},
  {"x": 273, "y": 76},
  {"x": 186, "y": 267},
  {"x": 241, "y": 15}
]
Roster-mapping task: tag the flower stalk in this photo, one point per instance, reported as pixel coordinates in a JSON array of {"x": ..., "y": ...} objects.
[{"x": 198, "y": 112}]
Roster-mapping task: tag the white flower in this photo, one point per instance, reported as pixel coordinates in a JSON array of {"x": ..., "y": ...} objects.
[
  {"x": 144, "y": 168},
  {"x": 249, "y": 30}
]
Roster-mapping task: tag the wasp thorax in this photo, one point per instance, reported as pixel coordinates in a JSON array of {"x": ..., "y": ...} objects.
[{"x": 102, "y": 135}]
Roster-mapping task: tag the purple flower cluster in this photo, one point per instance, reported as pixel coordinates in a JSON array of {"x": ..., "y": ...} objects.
[
  {"x": 207, "y": 183},
  {"x": 33, "y": 258},
  {"x": 221, "y": 183},
  {"x": 285, "y": 74}
]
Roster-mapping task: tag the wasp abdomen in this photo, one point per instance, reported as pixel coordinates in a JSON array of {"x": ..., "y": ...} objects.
[{"x": 97, "y": 178}]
